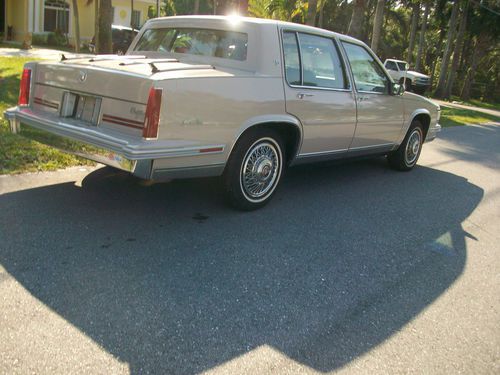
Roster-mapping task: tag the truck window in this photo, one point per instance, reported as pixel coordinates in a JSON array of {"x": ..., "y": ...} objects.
[{"x": 391, "y": 65}]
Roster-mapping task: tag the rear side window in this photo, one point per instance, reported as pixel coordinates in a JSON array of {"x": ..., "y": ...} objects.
[
  {"x": 292, "y": 58},
  {"x": 315, "y": 64},
  {"x": 201, "y": 42}
]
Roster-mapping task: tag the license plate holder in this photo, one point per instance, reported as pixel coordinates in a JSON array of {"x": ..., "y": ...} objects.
[{"x": 84, "y": 108}]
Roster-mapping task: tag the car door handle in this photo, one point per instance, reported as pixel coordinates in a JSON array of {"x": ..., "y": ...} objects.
[{"x": 301, "y": 95}]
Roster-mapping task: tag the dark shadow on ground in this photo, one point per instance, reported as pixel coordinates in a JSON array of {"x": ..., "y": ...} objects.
[{"x": 170, "y": 280}]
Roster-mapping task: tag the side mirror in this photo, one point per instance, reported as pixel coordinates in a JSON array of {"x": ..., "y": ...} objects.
[{"x": 397, "y": 89}]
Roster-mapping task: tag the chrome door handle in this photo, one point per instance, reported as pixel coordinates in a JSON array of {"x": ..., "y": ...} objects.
[{"x": 301, "y": 95}]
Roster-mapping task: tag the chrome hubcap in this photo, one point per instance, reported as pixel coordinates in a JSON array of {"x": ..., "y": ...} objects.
[
  {"x": 260, "y": 170},
  {"x": 413, "y": 147}
]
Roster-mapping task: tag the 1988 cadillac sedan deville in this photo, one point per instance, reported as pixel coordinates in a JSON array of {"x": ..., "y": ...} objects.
[{"x": 240, "y": 98}]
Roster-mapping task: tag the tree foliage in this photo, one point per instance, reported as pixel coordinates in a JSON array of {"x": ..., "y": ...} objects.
[{"x": 474, "y": 66}]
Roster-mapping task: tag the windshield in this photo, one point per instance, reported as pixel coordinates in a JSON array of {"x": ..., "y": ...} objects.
[
  {"x": 402, "y": 66},
  {"x": 202, "y": 42}
]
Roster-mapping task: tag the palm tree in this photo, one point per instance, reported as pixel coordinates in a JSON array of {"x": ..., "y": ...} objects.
[
  {"x": 312, "y": 7},
  {"x": 421, "y": 40},
  {"x": 377, "y": 24},
  {"x": 415, "y": 15},
  {"x": 358, "y": 15},
  {"x": 105, "y": 21},
  {"x": 447, "y": 51},
  {"x": 77, "y": 25}
]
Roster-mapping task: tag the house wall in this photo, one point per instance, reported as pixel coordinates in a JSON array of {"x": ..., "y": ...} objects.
[
  {"x": 123, "y": 11},
  {"x": 17, "y": 17}
]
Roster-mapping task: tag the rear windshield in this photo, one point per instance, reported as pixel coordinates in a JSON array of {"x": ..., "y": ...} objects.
[{"x": 202, "y": 42}]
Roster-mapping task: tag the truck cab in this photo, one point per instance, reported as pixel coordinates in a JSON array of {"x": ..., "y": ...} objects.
[{"x": 414, "y": 81}]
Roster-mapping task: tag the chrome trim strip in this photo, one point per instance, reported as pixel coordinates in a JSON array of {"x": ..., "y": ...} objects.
[
  {"x": 332, "y": 152},
  {"x": 318, "y": 88},
  {"x": 187, "y": 172},
  {"x": 371, "y": 147}
]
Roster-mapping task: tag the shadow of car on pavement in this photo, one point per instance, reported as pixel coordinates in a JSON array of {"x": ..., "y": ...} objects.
[{"x": 170, "y": 280}]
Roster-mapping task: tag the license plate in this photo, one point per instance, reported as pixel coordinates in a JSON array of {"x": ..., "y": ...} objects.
[{"x": 81, "y": 107}]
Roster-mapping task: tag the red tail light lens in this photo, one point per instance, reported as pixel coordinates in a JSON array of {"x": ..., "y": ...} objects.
[
  {"x": 24, "y": 89},
  {"x": 152, "y": 119}
]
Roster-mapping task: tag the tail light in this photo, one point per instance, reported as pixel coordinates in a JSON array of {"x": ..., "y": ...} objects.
[
  {"x": 24, "y": 88},
  {"x": 152, "y": 119}
]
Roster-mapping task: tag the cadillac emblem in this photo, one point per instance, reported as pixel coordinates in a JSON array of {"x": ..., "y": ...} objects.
[{"x": 82, "y": 76}]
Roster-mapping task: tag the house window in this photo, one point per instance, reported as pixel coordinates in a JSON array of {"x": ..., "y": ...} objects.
[
  {"x": 56, "y": 16},
  {"x": 136, "y": 18}
]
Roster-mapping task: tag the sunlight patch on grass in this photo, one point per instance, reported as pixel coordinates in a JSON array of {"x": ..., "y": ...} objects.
[
  {"x": 460, "y": 117},
  {"x": 19, "y": 154}
]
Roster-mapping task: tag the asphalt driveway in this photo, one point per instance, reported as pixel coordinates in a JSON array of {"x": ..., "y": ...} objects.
[{"x": 353, "y": 268}]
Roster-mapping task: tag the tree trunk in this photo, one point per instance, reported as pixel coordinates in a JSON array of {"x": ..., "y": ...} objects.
[
  {"x": 77, "y": 25},
  {"x": 413, "y": 31},
  {"x": 447, "y": 51},
  {"x": 421, "y": 40},
  {"x": 96, "y": 26},
  {"x": 132, "y": 14},
  {"x": 321, "y": 14},
  {"x": 377, "y": 25},
  {"x": 358, "y": 14},
  {"x": 105, "y": 21},
  {"x": 456, "y": 53},
  {"x": 311, "y": 12},
  {"x": 196, "y": 9},
  {"x": 480, "y": 48}
]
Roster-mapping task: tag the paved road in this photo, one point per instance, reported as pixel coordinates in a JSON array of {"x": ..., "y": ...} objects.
[{"x": 353, "y": 268}]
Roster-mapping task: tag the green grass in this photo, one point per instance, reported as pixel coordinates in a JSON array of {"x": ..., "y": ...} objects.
[
  {"x": 19, "y": 154},
  {"x": 459, "y": 117}
]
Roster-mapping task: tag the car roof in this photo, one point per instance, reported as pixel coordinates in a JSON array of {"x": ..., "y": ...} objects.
[{"x": 252, "y": 20}]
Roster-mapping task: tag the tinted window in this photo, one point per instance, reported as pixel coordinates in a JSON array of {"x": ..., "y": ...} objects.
[
  {"x": 321, "y": 63},
  {"x": 292, "y": 59},
  {"x": 391, "y": 65},
  {"x": 202, "y": 42},
  {"x": 368, "y": 74}
]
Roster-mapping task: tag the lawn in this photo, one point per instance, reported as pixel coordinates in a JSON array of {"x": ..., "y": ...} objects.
[
  {"x": 458, "y": 117},
  {"x": 18, "y": 154}
]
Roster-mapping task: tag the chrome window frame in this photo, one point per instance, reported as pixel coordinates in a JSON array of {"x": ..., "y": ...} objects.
[{"x": 345, "y": 70}]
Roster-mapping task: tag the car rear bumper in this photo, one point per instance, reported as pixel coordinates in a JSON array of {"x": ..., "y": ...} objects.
[{"x": 158, "y": 160}]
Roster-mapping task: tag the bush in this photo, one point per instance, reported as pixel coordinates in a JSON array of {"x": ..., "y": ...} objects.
[
  {"x": 57, "y": 38},
  {"x": 39, "y": 39}
]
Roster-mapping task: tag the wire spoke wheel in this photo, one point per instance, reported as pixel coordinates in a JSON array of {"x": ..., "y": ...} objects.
[
  {"x": 413, "y": 146},
  {"x": 260, "y": 170}
]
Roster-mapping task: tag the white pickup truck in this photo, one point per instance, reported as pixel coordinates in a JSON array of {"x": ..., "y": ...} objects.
[{"x": 415, "y": 81}]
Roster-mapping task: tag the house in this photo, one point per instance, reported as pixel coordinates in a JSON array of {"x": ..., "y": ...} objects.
[{"x": 19, "y": 18}]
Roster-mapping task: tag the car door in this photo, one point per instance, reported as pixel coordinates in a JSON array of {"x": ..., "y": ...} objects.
[
  {"x": 380, "y": 114},
  {"x": 318, "y": 92}
]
